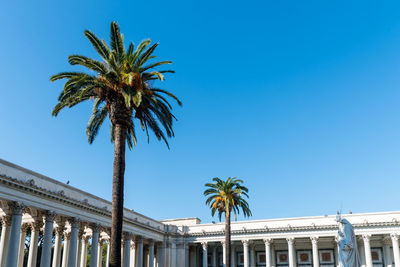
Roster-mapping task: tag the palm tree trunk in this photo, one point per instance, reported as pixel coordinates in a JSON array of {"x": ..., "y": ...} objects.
[
  {"x": 227, "y": 239},
  {"x": 117, "y": 195}
]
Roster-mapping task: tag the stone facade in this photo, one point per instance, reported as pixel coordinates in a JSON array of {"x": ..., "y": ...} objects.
[{"x": 73, "y": 218}]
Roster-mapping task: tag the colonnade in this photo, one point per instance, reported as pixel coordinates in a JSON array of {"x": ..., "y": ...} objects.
[
  {"x": 390, "y": 246},
  {"x": 71, "y": 241}
]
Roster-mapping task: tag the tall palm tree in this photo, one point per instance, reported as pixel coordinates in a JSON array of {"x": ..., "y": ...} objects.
[
  {"x": 121, "y": 86},
  {"x": 227, "y": 197}
]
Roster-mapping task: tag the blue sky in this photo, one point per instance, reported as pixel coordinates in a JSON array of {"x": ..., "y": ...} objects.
[{"x": 298, "y": 98}]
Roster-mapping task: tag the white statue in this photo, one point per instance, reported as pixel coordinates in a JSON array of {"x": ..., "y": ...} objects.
[{"x": 348, "y": 251}]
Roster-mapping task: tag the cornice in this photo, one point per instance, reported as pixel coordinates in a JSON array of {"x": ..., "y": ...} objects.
[
  {"x": 32, "y": 188},
  {"x": 292, "y": 229}
]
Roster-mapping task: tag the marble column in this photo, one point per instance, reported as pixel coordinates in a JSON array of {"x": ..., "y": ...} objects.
[
  {"x": 15, "y": 232},
  {"x": 396, "y": 250},
  {"x": 186, "y": 248},
  {"x": 95, "y": 242},
  {"x": 100, "y": 253},
  {"x": 132, "y": 254},
  {"x": 47, "y": 239},
  {"x": 127, "y": 248},
  {"x": 205, "y": 256},
  {"x": 5, "y": 238},
  {"x": 84, "y": 250},
  {"x": 223, "y": 253},
  {"x": 233, "y": 255},
  {"x": 151, "y": 253},
  {"x": 67, "y": 239},
  {"x": 215, "y": 256},
  {"x": 291, "y": 253},
  {"x": 267, "y": 243},
  {"x": 57, "y": 246},
  {"x": 33, "y": 245},
  {"x": 139, "y": 253},
  {"x": 367, "y": 249},
  {"x": 387, "y": 242},
  {"x": 73, "y": 243},
  {"x": 315, "y": 254},
  {"x": 22, "y": 239},
  {"x": 108, "y": 254},
  {"x": 245, "y": 253},
  {"x": 79, "y": 246},
  {"x": 361, "y": 250},
  {"x": 253, "y": 255},
  {"x": 173, "y": 254}
]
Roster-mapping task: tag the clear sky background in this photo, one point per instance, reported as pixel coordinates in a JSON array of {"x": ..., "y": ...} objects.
[{"x": 298, "y": 98}]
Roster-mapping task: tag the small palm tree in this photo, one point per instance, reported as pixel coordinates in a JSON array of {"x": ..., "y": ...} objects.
[
  {"x": 121, "y": 88},
  {"x": 225, "y": 197}
]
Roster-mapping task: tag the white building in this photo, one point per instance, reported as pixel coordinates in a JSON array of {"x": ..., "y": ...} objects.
[{"x": 32, "y": 201}]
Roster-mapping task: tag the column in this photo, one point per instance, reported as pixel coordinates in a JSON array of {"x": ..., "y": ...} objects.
[
  {"x": 367, "y": 248},
  {"x": 273, "y": 260},
  {"x": 47, "y": 239},
  {"x": 79, "y": 246},
  {"x": 151, "y": 253},
  {"x": 33, "y": 245},
  {"x": 245, "y": 253},
  {"x": 215, "y": 251},
  {"x": 173, "y": 253},
  {"x": 95, "y": 242},
  {"x": 223, "y": 253},
  {"x": 139, "y": 246},
  {"x": 84, "y": 248},
  {"x": 361, "y": 250},
  {"x": 72, "y": 253},
  {"x": 108, "y": 253},
  {"x": 132, "y": 253},
  {"x": 387, "y": 252},
  {"x": 291, "y": 251},
  {"x": 13, "y": 246},
  {"x": 315, "y": 254},
  {"x": 205, "y": 256},
  {"x": 24, "y": 227},
  {"x": 396, "y": 251},
  {"x": 253, "y": 255},
  {"x": 100, "y": 253},
  {"x": 233, "y": 255},
  {"x": 186, "y": 248},
  {"x": 127, "y": 249},
  {"x": 67, "y": 239},
  {"x": 267, "y": 243},
  {"x": 57, "y": 246},
  {"x": 5, "y": 237}
]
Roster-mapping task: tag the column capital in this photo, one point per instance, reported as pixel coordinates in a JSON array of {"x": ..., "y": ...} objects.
[
  {"x": 24, "y": 227},
  {"x": 36, "y": 225},
  {"x": 6, "y": 220},
  {"x": 204, "y": 245},
  {"x": 126, "y": 236},
  {"x": 49, "y": 216},
  {"x": 387, "y": 241},
  {"x": 16, "y": 208},
  {"x": 268, "y": 241},
  {"x": 151, "y": 242},
  {"x": 245, "y": 242},
  {"x": 67, "y": 235},
  {"x": 394, "y": 237},
  {"x": 290, "y": 240},
  {"x": 314, "y": 240},
  {"x": 74, "y": 222},
  {"x": 366, "y": 237},
  {"x": 95, "y": 227}
]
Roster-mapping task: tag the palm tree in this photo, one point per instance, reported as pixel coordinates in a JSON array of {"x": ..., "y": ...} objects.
[
  {"x": 225, "y": 197},
  {"x": 121, "y": 87}
]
